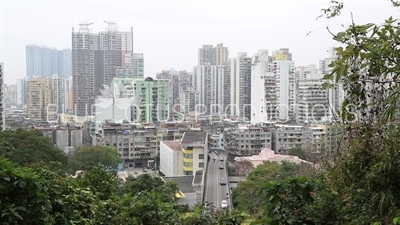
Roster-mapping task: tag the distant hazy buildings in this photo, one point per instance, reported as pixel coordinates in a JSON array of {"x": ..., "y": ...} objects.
[
  {"x": 10, "y": 97},
  {"x": 46, "y": 97},
  {"x": 95, "y": 60},
  {"x": 312, "y": 98},
  {"x": 134, "y": 66},
  {"x": 211, "y": 79},
  {"x": 189, "y": 99},
  {"x": 335, "y": 95},
  {"x": 43, "y": 61},
  {"x": 178, "y": 81},
  {"x": 59, "y": 86},
  {"x": 21, "y": 91},
  {"x": 210, "y": 55}
]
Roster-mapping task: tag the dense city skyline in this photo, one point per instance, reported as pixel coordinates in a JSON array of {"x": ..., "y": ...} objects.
[{"x": 171, "y": 41}]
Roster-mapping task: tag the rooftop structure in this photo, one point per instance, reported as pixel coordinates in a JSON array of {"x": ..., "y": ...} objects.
[{"x": 269, "y": 155}]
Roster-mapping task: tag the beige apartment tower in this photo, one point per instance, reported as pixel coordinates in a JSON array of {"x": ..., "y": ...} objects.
[{"x": 39, "y": 99}]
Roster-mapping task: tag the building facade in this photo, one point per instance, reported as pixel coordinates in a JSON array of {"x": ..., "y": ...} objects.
[
  {"x": 210, "y": 55},
  {"x": 247, "y": 140},
  {"x": 137, "y": 143},
  {"x": 240, "y": 71},
  {"x": 43, "y": 61},
  {"x": 171, "y": 158},
  {"x": 134, "y": 66},
  {"x": 39, "y": 98},
  {"x": 283, "y": 70},
  {"x": 263, "y": 89},
  {"x": 189, "y": 99},
  {"x": 95, "y": 60},
  {"x": 335, "y": 95},
  {"x": 195, "y": 152},
  {"x": 152, "y": 102}
]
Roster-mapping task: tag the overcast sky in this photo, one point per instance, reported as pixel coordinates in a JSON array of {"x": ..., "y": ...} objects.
[{"x": 169, "y": 33}]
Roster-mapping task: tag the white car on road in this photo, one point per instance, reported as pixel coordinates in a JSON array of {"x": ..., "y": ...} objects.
[{"x": 224, "y": 204}]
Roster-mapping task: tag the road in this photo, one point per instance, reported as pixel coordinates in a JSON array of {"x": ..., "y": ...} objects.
[{"x": 215, "y": 192}]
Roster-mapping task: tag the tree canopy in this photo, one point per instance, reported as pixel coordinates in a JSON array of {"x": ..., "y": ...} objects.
[
  {"x": 25, "y": 147},
  {"x": 39, "y": 196},
  {"x": 107, "y": 156}
]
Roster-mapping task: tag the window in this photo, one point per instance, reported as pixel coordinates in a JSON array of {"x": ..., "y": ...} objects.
[
  {"x": 201, "y": 156},
  {"x": 188, "y": 156},
  {"x": 201, "y": 165},
  {"x": 187, "y": 164},
  {"x": 189, "y": 148}
]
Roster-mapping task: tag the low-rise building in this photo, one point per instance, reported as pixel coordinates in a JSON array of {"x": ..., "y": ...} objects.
[
  {"x": 184, "y": 156},
  {"x": 246, "y": 139},
  {"x": 171, "y": 158},
  {"x": 137, "y": 143},
  {"x": 269, "y": 155},
  {"x": 291, "y": 136}
]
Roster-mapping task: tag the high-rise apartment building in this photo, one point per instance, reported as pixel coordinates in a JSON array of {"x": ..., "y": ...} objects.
[
  {"x": 282, "y": 54},
  {"x": 212, "y": 83},
  {"x": 210, "y": 55},
  {"x": 59, "y": 86},
  {"x": 11, "y": 97},
  {"x": 241, "y": 86},
  {"x": 43, "y": 61},
  {"x": 312, "y": 99},
  {"x": 64, "y": 63},
  {"x": 95, "y": 60},
  {"x": 134, "y": 66},
  {"x": 46, "y": 97},
  {"x": 283, "y": 69},
  {"x": 21, "y": 91},
  {"x": 178, "y": 81},
  {"x": 263, "y": 89},
  {"x": 39, "y": 98},
  {"x": 335, "y": 95},
  {"x": 151, "y": 100},
  {"x": 189, "y": 99}
]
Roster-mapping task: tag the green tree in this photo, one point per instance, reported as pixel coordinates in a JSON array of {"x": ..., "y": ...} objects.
[
  {"x": 23, "y": 198},
  {"x": 299, "y": 201},
  {"x": 246, "y": 196},
  {"x": 102, "y": 182},
  {"x": 147, "y": 183},
  {"x": 26, "y": 147},
  {"x": 207, "y": 214},
  {"x": 365, "y": 171},
  {"x": 87, "y": 157},
  {"x": 298, "y": 152}
]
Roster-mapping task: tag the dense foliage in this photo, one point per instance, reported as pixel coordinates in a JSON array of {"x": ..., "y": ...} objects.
[
  {"x": 359, "y": 184},
  {"x": 27, "y": 147},
  {"x": 105, "y": 155},
  {"x": 40, "y": 196}
]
